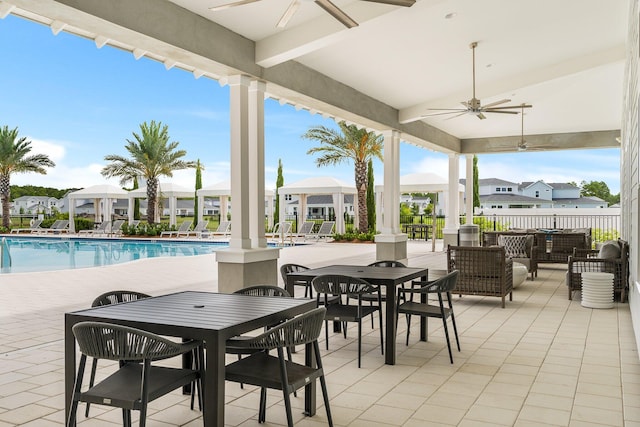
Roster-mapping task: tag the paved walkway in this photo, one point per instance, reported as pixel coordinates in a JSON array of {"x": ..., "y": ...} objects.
[{"x": 543, "y": 360}]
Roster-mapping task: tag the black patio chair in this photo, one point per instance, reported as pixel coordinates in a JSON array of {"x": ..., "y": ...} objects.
[
  {"x": 293, "y": 268},
  {"x": 327, "y": 286},
  {"x": 372, "y": 298},
  {"x": 275, "y": 372},
  {"x": 108, "y": 298},
  {"x": 137, "y": 381},
  {"x": 440, "y": 287}
]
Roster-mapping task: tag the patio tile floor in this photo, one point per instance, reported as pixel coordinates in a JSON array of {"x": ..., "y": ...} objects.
[{"x": 541, "y": 360}]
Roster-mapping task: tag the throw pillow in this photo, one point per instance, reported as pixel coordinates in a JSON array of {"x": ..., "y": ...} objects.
[
  {"x": 609, "y": 249},
  {"x": 514, "y": 246}
]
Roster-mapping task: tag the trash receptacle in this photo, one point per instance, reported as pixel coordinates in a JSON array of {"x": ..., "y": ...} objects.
[{"x": 469, "y": 235}]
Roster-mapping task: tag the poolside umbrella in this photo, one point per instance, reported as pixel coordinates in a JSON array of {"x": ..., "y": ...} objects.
[{"x": 105, "y": 192}]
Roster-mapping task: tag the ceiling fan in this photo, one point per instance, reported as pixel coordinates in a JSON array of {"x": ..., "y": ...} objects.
[
  {"x": 327, "y": 5},
  {"x": 474, "y": 106},
  {"x": 522, "y": 144}
]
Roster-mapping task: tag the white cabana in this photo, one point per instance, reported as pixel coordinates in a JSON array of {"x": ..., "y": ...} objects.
[
  {"x": 320, "y": 185},
  {"x": 222, "y": 190},
  {"x": 417, "y": 183},
  {"x": 105, "y": 193},
  {"x": 167, "y": 190}
]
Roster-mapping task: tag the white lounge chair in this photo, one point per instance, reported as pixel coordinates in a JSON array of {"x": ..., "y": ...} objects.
[
  {"x": 184, "y": 227},
  {"x": 325, "y": 230},
  {"x": 33, "y": 228},
  {"x": 306, "y": 230},
  {"x": 116, "y": 227},
  {"x": 198, "y": 230},
  {"x": 103, "y": 228},
  {"x": 281, "y": 232},
  {"x": 223, "y": 230},
  {"x": 59, "y": 226}
]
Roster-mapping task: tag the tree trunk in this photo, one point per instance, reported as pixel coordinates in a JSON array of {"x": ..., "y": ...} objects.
[
  {"x": 361, "y": 187},
  {"x": 152, "y": 199},
  {"x": 5, "y": 195}
]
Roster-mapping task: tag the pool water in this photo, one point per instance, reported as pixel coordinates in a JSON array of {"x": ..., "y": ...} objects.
[{"x": 47, "y": 254}]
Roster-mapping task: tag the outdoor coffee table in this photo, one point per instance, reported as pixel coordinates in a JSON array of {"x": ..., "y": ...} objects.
[
  {"x": 389, "y": 277},
  {"x": 206, "y": 316}
]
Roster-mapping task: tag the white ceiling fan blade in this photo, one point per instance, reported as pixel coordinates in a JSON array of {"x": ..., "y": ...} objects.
[
  {"x": 232, "y": 4},
  {"x": 405, "y": 3},
  {"x": 337, "y": 13},
  {"x": 288, "y": 14},
  {"x": 497, "y": 103},
  {"x": 509, "y": 107},
  {"x": 458, "y": 115},
  {"x": 444, "y": 112},
  {"x": 490, "y": 110}
]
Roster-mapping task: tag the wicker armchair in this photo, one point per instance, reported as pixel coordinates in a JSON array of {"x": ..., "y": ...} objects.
[
  {"x": 483, "y": 271},
  {"x": 563, "y": 244},
  {"x": 586, "y": 260}
]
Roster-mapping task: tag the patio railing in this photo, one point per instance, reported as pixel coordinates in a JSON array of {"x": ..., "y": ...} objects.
[{"x": 603, "y": 227}]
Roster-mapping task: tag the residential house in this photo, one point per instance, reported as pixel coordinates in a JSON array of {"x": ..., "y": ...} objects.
[{"x": 500, "y": 194}]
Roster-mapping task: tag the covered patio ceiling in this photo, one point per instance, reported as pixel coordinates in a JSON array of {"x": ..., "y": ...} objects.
[{"x": 565, "y": 58}]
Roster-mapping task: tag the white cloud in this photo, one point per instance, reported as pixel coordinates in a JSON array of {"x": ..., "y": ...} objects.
[{"x": 55, "y": 150}]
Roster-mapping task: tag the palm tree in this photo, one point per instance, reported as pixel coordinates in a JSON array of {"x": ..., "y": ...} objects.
[
  {"x": 348, "y": 143},
  {"x": 152, "y": 156},
  {"x": 15, "y": 158}
]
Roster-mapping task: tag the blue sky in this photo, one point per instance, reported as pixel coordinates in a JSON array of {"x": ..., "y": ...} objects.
[{"x": 78, "y": 103}]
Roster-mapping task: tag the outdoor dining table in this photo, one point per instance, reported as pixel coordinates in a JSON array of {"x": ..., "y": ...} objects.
[
  {"x": 207, "y": 316},
  {"x": 389, "y": 277}
]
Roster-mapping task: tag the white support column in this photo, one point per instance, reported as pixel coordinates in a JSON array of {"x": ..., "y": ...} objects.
[
  {"x": 302, "y": 215},
  {"x": 391, "y": 221},
  {"x": 240, "y": 164},
  {"x": 96, "y": 210},
  {"x": 130, "y": 209},
  {"x": 247, "y": 261},
  {"x": 269, "y": 210},
  {"x": 338, "y": 210},
  {"x": 379, "y": 210},
  {"x": 224, "y": 207},
  {"x": 452, "y": 218},
  {"x": 200, "y": 213},
  {"x": 256, "y": 164},
  {"x": 468, "y": 189},
  {"x": 391, "y": 244},
  {"x": 72, "y": 207},
  {"x": 172, "y": 210}
]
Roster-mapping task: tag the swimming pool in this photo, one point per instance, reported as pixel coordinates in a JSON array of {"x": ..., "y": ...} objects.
[{"x": 30, "y": 254}]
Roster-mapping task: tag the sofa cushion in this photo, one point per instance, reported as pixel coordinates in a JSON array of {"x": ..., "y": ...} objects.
[
  {"x": 514, "y": 246},
  {"x": 609, "y": 249}
]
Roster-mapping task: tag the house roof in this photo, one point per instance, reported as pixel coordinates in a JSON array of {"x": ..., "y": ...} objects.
[
  {"x": 512, "y": 198},
  {"x": 491, "y": 181}
]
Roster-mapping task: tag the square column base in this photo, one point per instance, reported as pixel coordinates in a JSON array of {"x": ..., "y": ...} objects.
[
  {"x": 391, "y": 247},
  {"x": 450, "y": 237},
  {"x": 241, "y": 268}
]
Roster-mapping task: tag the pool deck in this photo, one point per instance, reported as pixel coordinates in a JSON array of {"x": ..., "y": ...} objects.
[{"x": 543, "y": 360}]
